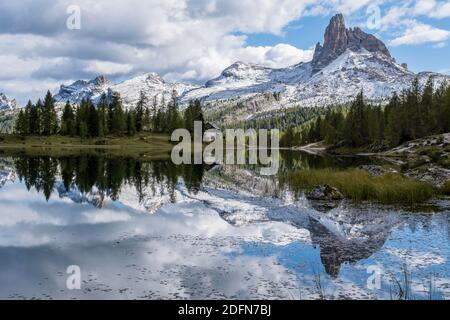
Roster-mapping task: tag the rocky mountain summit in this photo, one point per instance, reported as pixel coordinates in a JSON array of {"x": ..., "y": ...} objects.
[{"x": 339, "y": 38}]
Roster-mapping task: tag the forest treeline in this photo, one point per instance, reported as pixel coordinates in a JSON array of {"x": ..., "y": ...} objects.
[
  {"x": 108, "y": 117},
  {"x": 414, "y": 113}
]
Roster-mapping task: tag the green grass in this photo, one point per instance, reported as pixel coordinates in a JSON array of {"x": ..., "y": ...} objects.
[
  {"x": 445, "y": 190},
  {"x": 359, "y": 185},
  {"x": 142, "y": 145}
]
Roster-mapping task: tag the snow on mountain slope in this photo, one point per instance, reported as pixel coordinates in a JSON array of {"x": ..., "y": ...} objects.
[
  {"x": 150, "y": 83},
  {"x": 82, "y": 89},
  {"x": 7, "y": 104},
  {"x": 376, "y": 74},
  {"x": 245, "y": 80}
]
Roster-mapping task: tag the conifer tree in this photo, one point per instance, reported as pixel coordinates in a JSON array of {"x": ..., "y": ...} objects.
[
  {"x": 118, "y": 115},
  {"x": 426, "y": 104},
  {"x": 174, "y": 120},
  {"x": 49, "y": 117},
  {"x": 103, "y": 116},
  {"x": 34, "y": 119},
  {"x": 356, "y": 124},
  {"x": 40, "y": 111},
  {"x": 154, "y": 112},
  {"x": 139, "y": 113},
  {"x": 131, "y": 123},
  {"x": 189, "y": 117},
  {"x": 92, "y": 120},
  {"x": 81, "y": 119},
  {"x": 68, "y": 120},
  {"x": 147, "y": 120},
  {"x": 22, "y": 123}
]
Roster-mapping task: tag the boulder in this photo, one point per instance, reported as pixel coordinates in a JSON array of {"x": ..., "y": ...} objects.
[
  {"x": 324, "y": 198},
  {"x": 325, "y": 193}
]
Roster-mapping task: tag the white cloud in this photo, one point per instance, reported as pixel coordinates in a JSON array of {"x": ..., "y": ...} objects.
[
  {"x": 419, "y": 34},
  {"x": 350, "y": 6},
  {"x": 108, "y": 68},
  {"x": 424, "y": 6},
  {"x": 182, "y": 39},
  {"x": 30, "y": 88},
  {"x": 279, "y": 56},
  {"x": 442, "y": 11},
  {"x": 432, "y": 9}
]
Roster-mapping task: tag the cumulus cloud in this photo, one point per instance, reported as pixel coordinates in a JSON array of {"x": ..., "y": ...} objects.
[
  {"x": 432, "y": 8},
  {"x": 421, "y": 33},
  {"x": 181, "y": 39}
]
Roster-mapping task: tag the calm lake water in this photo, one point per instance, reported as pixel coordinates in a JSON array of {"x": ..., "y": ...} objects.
[{"x": 151, "y": 230}]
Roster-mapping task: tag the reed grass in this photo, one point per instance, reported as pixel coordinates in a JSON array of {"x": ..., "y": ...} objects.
[{"x": 359, "y": 185}]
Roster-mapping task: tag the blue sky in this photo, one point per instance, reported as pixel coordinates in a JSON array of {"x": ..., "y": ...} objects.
[{"x": 46, "y": 43}]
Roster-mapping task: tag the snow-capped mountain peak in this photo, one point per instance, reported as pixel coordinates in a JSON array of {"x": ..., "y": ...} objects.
[
  {"x": 82, "y": 89},
  {"x": 7, "y": 104},
  {"x": 151, "y": 83},
  {"x": 339, "y": 38}
]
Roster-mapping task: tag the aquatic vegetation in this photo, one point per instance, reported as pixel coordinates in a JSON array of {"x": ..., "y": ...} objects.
[{"x": 359, "y": 185}]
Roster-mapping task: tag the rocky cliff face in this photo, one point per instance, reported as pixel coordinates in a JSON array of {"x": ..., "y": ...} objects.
[{"x": 338, "y": 39}]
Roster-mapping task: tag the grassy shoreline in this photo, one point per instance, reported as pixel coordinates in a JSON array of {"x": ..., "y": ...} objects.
[
  {"x": 358, "y": 186},
  {"x": 142, "y": 145}
]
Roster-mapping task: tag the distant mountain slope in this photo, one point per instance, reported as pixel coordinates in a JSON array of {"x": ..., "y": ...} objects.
[
  {"x": 81, "y": 89},
  {"x": 9, "y": 108},
  {"x": 7, "y": 104},
  {"x": 150, "y": 83}
]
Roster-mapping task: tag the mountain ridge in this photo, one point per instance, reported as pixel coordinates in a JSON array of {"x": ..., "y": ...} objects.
[{"x": 349, "y": 61}]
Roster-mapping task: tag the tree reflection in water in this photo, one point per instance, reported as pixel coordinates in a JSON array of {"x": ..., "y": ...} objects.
[{"x": 107, "y": 174}]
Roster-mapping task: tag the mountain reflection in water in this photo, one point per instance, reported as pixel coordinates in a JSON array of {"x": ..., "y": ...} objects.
[{"x": 230, "y": 217}]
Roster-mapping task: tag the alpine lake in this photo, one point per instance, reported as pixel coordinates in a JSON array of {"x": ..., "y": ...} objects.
[{"x": 144, "y": 228}]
